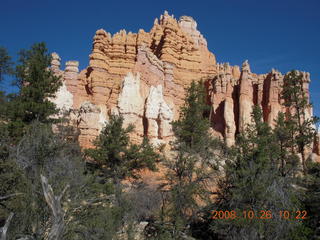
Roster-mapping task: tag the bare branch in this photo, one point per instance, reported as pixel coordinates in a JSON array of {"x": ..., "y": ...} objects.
[
  {"x": 5, "y": 227},
  {"x": 63, "y": 192},
  {"x": 54, "y": 203},
  {"x": 26, "y": 238},
  {"x": 9, "y": 196}
]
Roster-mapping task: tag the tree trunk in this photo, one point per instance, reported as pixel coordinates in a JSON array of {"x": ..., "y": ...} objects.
[{"x": 54, "y": 203}]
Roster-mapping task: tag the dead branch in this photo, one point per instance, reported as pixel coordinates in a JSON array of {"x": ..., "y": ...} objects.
[
  {"x": 2, "y": 198},
  {"x": 4, "y": 229},
  {"x": 54, "y": 203}
]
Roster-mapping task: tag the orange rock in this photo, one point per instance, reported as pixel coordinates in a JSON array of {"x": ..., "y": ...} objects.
[{"x": 143, "y": 76}]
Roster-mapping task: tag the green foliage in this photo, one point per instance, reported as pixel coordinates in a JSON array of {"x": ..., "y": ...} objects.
[
  {"x": 185, "y": 190},
  {"x": 116, "y": 157},
  {"x": 192, "y": 168},
  {"x": 17, "y": 188},
  {"x": 5, "y": 69},
  {"x": 21, "y": 154},
  {"x": 301, "y": 232},
  {"x": 252, "y": 182},
  {"x": 102, "y": 211},
  {"x": 40, "y": 151},
  {"x": 37, "y": 84},
  {"x": 6, "y": 64},
  {"x": 14, "y": 188},
  {"x": 259, "y": 173},
  {"x": 297, "y": 103},
  {"x": 55, "y": 155},
  {"x": 192, "y": 128},
  {"x": 29, "y": 147},
  {"x": 311, "y": 184},
  {"x": 288, "y": 160},
  {"x": 3, "y": 102},
  {"x": 93, "y": 213},
  {"x": 95, "y": 222}
]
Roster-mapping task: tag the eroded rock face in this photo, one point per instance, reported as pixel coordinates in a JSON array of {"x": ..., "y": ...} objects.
[
  {"x": 64, "y": 98},
  {"x": 245, "y": 98},
  {"x": 159, "y": 116},
  {"x": 143, "y": 76},
  {"x": 55, "y": 63},
  {"x": 274, "y": 106},
  {"x": 131, "y": 104},
  {"x": 189, "y": 25},
  {"x": 230, "y": 127},
  {"x": 90, "y": 120}
]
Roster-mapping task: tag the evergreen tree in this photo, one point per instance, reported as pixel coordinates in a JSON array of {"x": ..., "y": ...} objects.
[
  {"x": 36, "y": 85},
  {"x": 193, "y": 166},
  {"x": 311, "y": 184},
  {"x": 192, "y": 128},
  {"x": 14, "y": 188},
  {"x": 43, "y": 152},
  {"x": 115, "y": 156},
  {"x": 6, "y": 64},
  {"x": 6, "y": 68},
  {"x": 113, "y": 159},
  {"x": 252, "y": 183},
  {"x": 288, "y": 160},
  {"x": 296, "y": 101}
]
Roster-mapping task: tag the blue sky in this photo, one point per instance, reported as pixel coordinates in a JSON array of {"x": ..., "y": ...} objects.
[{"x": 271, "y": 34}]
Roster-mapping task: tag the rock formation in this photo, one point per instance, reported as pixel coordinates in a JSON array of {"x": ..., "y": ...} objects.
[
  {"x": 130, "y": 103},
  {"x": 245, "y": 96},
  {"x": 159, "y": 116},
  {"x": 143, "y": 77}
]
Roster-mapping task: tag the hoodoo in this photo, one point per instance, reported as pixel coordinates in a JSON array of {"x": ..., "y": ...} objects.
[{"x": 143, "y": 77}]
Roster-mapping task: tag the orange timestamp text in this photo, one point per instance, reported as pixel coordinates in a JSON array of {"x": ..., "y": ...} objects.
[{"x": 262, "y": 214}]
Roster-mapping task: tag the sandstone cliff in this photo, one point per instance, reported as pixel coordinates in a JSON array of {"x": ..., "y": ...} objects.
[{"x": 143, "y": 77}]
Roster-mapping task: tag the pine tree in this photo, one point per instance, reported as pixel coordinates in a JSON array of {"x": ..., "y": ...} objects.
[
  {"x": 6, "y": 64},
  {"x": 14, "y": 188},
  {"x": 288, "y": 160},
  {"x": 6, "y": 68},
  {"x": 42, "y": 152},
  {"x": 252, "y": 183},
  {"x": 192, "y": 128},
  {"x": 311, "y": 184},
  {"x": 36, "y": 85},
  {"x": 115, "y": 156},
  {"x": 194, "y": 163},
  {"x": 113, "y": 159},
  {"x": 296, "y": 101}
]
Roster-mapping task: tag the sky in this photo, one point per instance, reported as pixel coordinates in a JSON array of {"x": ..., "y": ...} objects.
[{"x": 280, "y": 34}]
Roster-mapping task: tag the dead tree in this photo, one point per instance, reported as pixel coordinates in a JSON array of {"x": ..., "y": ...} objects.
[
  {"x": 4, "y": 229},
  {"x": 54, "y": 203}
]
